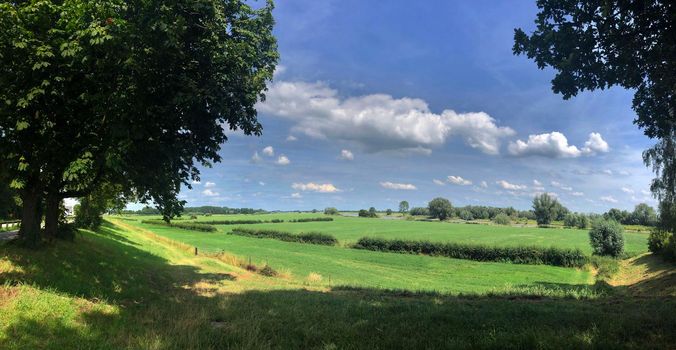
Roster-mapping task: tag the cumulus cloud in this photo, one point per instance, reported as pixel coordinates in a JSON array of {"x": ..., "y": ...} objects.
[
  {"x": 509, "y": 186},
  {"x": 555, "y": 145},
  {"x": 397, "y": 186},
  {"x": 484, "y": 184},
  {"x": 595, "y": 144},
  {"x": 255, "y": 158},
  {"x": 537, "y": 185},
  {"x": 627, "y": 190},
  {"x": 209, "y": 193},
  {"x": 378, "y": 122},
  {"x": 439, "y": 182},
  {"x": 561, "y": 186},
  {"x": 209, "y": 184},
  {"x": 608, "y": 199},
  {"x": 296, "y": 195},
  {"x": 261, "y": 183},
  {"x": 577, "y": 194},
  {"x": 457, "y": 180},
  {"x": 346, "y": 154},
  {"x": 315, "y": 187},
  {"x": 269, "y": 151},
  {"x": 283, "y": 160},
  {"x": 291, "y": 138}
]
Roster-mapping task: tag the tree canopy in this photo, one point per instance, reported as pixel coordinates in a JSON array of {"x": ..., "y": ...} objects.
[{"x": 135, "y": 93}]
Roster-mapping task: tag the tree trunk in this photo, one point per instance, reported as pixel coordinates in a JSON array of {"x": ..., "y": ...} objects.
[
  {"x": 30, "y": 218},
  {"x": 52, "y": 213}
]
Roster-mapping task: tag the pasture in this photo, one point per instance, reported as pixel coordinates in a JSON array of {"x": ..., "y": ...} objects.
[{"x": 123, "y": 287}]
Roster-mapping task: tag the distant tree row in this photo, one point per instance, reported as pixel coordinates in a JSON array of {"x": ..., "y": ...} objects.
[
  {"x": 198, "y": 210},
  {"x": 643, "y": 214}
]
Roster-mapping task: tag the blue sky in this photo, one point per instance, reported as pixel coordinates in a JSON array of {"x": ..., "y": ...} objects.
[{"x": 378, "y": 102}]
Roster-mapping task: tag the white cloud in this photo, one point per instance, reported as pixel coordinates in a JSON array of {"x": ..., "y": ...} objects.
[
  {"x": 608, "y": 172},
  {"x": 209, "y": 184},
  {"x": 537, "y": 186},
  {"x": 314, "y": 187},
  {"x": 195, "y": 182},
  {"x": 537, "y": 183},
  {"x": 283, "y": 160},
  {"x": 555, "y": 145},
  {"x": 378, "y": 122},
  {"x": 346, "y": 155},
  {"x": 457, "y": 180},
  {"x": 627, "y": 190},
  {"x": 646, "y": 192},
  {"x": 261, "y": 183},
  {"x": 255, "y": 158},
  {"x": 509, "y": 186},
  {"x": 561, "y": 186},
  {"x": 484, "y": 184},
  {"x": 609, "y": 199},
  {"x": 209, "y": 193},
  {"x": 269, "y": 151},
  {"x": 296, "y": 195},
  {"x": 397, "y": 186},
  {"x": 291, "y": 138},
  {"x": 439, "y": 182},
  {"x": 577, "y": 194},
  {"x": 595, "y": 144},
  {"x": 624, "y": 173}
]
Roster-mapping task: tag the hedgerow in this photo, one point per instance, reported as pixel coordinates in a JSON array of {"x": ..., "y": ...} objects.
[
  {"x": 311, "y": 219},
  {"x": 242, "y": 222},
  {"x": 304, "y": 237},
  {"x": 193, "y": 226},
  {"x": 516, "y": 255}
]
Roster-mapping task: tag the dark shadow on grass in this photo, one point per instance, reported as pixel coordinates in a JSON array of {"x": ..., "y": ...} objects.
[{"x": 154, "y": 309}]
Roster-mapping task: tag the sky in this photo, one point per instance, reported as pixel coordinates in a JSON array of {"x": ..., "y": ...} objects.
[{"x": 375, "y": 102}]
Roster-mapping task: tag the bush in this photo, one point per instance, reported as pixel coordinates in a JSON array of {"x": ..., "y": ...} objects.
[
  {"x": 516, "y": 255},
  {"x": 388, "y": 212},
  {"x": 368, "y": 213},
  {"x": 309, "y": 237},
  {"x": 66, "y": 231},
  {"x": 501, "y": 219},
  {"x": 331, "y": 211},
  {"x": 607, "y": 238},
  {"x": 268, "y": 271},
  {"x": 659, "y": 240},
  {"x": 311, "y": 219},
  {"x": 192, "y": 226},
  {"x": 419, "y": 211},
  {"x": 466, "y": 215},
  {"x": 545, "y": 208},
  {"x": 440, "y": 208},
  {"x": 242, "y": 222}
]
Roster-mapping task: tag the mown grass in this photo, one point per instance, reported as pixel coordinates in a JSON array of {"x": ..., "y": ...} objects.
[
  {"x": 121, "y": 289},
  {"x": 349, "y": 229}
]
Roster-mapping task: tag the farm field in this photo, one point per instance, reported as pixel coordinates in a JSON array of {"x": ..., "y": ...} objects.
[
  {"x": 350, "y": 229},
  {"x": 123, "y": 288}
]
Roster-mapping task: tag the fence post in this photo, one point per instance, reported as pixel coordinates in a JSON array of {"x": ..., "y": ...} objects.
[{"x": 195, "y": 250}]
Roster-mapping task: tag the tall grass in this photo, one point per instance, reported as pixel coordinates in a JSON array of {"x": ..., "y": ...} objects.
[
  {"x": 241, "y": 222},
  {"x": 304, "y": 237},
  {"x": 516, "y": 255}
]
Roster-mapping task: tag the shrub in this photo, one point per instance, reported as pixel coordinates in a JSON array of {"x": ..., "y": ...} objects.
[
  {"x": 331, "y": 211},
  {"x": 440, "y": 208},
  {"x": 268, "y": 271},
  {"x": 570, "y": 220},
  {"x": 314, "y": 277},
  {"x": 311, "y": 219},
  {"x": 192, "y": 226},
  {"x": 419, "y": 211},
  {"x": 466, "y": 215},
  {"x": 607, "y": 238},
  {"x": 516, "y": 255},
  {"x": 66, "y": 231},
  {"x": 368, "y": 213},
  {"x": 242, "y": 222},
  {"x": 658, "y": 240},
  {"x": 193, "y": 217},
  {"x": 582, "y": 221},
  {"x": 307, "y": 237},
  {"x": 388, "y": 212},
  {"x": 501, "y": 219}
]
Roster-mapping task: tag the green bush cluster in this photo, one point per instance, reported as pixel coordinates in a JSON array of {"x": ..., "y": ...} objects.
[
  {"x": 331, "y": 211},
  {"x": 516, "y": 255},
  {"x": 371, "y": 213},
  {"x": 580, "y": 221},
  {"x": 663, "y": 243},
  {"x": 607, "y": 238},
  {"x": 241, "y": 222},
  {"x": 304, "y": 237},
  {"x": 419, "y": 211},
  {"x": 502, "y": 219},
  {"x": 192, "y": 226},
  {"x": 311, "y": 219}
]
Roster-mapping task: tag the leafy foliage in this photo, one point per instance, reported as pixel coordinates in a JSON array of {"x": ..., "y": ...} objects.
[
  {"x": 419, "y": 211},
  {"x": 304, "y": 237},
  {"x": 403, "y": 207},
  {"x": 191, "y": 226},
  {"x": 310, "y": 219},
  {"x": 501, "y": 219},
  {"x": 440, "y": 208},
  {"x": 607, "y": 238},
  {"x": 331, "y": 211},
  {"x": 516, "y": 255},
  {"x": 545, "y": 208}
]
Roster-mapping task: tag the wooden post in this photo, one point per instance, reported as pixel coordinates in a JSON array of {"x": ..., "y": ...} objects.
[{"x": 195, "y": 250}]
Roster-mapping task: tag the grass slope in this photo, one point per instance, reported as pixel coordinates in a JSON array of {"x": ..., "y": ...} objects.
[
  {"x": 350, "y": 229},
  {"x": 120, "y": 289}
]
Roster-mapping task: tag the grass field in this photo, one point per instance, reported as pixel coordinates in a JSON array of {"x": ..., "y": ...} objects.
[
  {"x": 122, "y": 288},
  {"x": 350, "y": 229}
]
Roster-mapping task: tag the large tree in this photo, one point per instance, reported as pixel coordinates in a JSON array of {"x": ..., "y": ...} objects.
[
  {"x": 596, "y": 44},
  {"x": 133, "y": 93}
]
